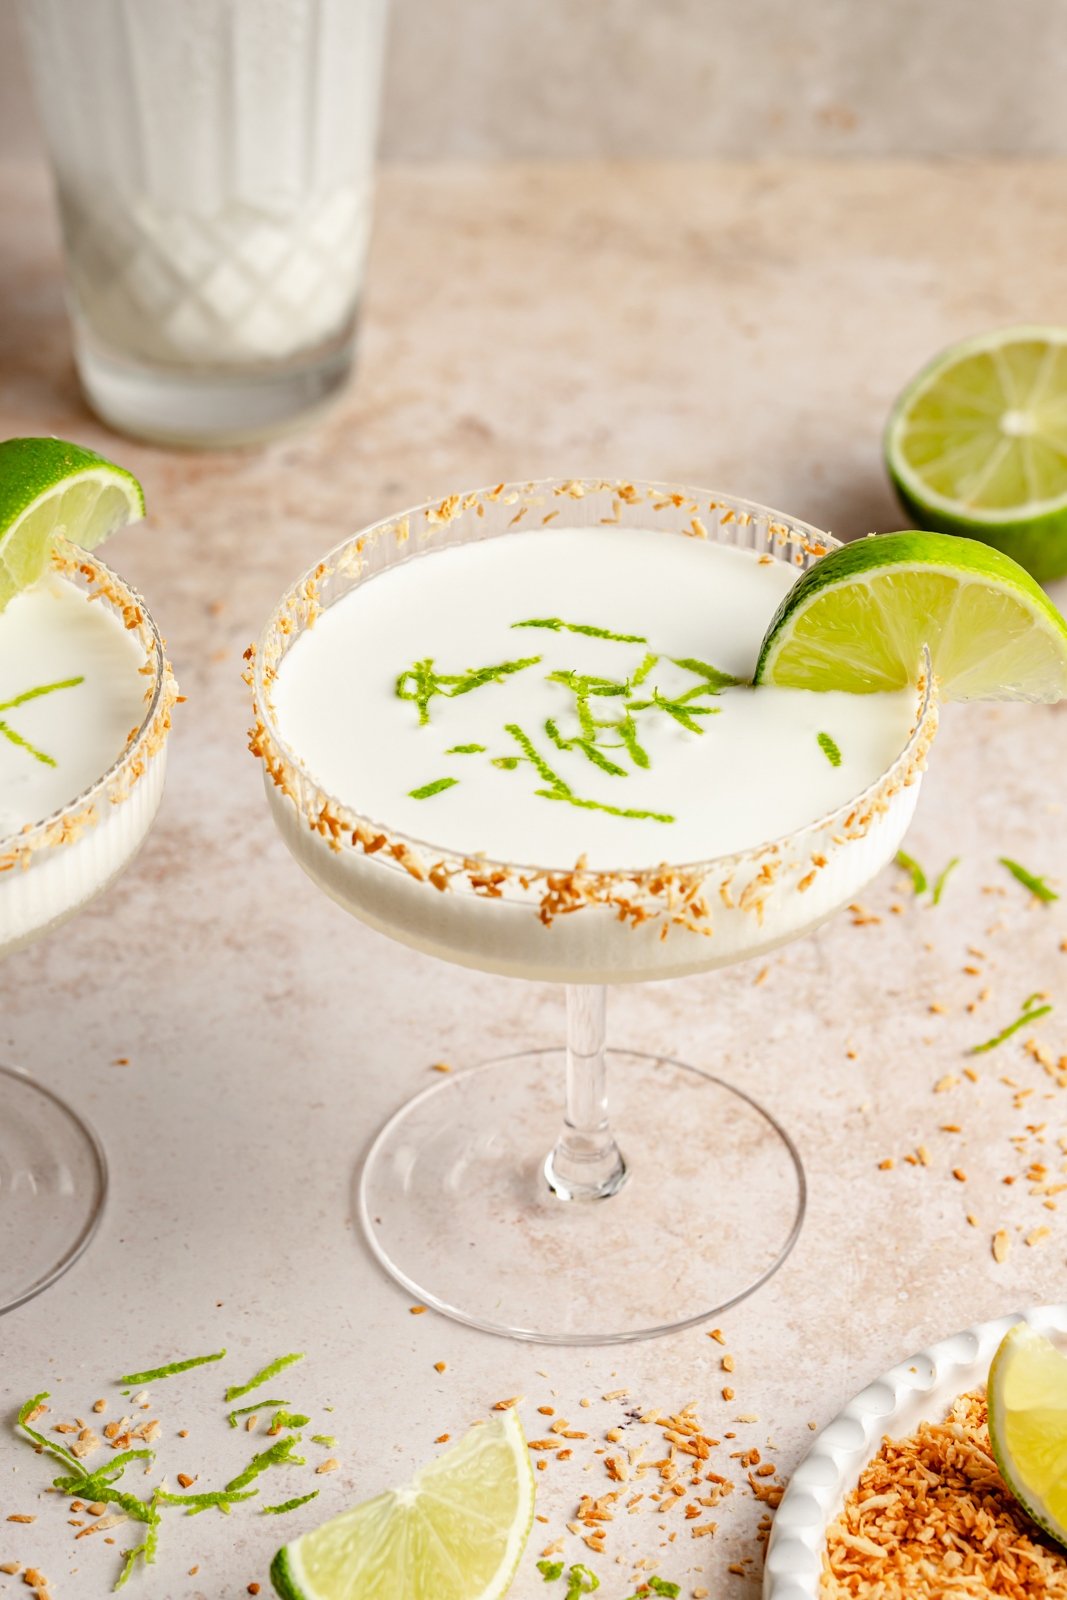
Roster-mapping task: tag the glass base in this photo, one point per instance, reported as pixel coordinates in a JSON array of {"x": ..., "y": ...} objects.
[
  {"x": 53, "y": 1183},
  {"x": 455, "y": 1204},
  {"x": 209, "y": 410}
]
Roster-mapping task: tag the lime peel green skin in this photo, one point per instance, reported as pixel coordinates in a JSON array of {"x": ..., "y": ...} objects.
[
  {"x": 1038, "y": 543},
  {"x": 865, "y": 559},
  {"x": 31, "y": 467}
]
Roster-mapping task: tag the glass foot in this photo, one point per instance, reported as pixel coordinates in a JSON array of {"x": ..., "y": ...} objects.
[
  {"x": 53, "y": 1182},
  {"x": 455, "y": 1202}
]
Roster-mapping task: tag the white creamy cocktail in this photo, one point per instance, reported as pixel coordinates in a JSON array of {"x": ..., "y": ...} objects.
[
  {"x": 551, "y": 683},
  {"x": 86, "y": 695}
]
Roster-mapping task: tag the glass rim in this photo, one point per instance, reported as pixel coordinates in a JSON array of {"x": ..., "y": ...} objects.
[
  {"x": 814, "y": 540},
  {"x": 70, "y": 561}
]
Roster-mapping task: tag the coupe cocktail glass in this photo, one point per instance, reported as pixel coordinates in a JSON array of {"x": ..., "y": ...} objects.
[
  {"x": 473, "y": 1196},
  {"x": 53, "y": 1175}
]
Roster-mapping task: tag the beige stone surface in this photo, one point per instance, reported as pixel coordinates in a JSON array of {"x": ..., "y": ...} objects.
[
  {"x": 745, "y": 327},
  {"x": 699, "y": 78}
]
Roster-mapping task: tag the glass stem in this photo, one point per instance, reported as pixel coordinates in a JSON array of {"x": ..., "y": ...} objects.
[{"x": 586, "y": 1163}]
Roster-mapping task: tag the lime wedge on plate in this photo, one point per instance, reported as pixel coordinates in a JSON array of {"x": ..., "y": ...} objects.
[
  {"x": 455, "y": 1532},
  {"x": 49, "y": 488},
  {"x": 859, "y": 618},
  {"x": 1028, "y": 1425},
  {"x": 977, "y": 445}
]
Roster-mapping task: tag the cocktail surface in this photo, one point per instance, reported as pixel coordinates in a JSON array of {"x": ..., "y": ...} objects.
[{"x": 571, "y": 692}]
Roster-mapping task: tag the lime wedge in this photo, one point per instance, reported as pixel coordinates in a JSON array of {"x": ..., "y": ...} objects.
[
  {"x": 977, "y": 445},
  {"x": 49, "y": 488},
  {"x": 455, "y": 1532},
  {"x": 859, "y": 618},
  {"x": 1028, "y": 1425}
]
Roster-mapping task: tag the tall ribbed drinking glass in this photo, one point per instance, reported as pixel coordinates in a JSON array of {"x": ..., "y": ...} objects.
[{"x": 214, "y": 164}]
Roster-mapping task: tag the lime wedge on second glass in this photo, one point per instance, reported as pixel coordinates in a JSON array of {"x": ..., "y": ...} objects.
[
  {"x": 977, "y": 445},
  {"x": 455, "y": 1532},
  {"x": 49, "y": 488},
  {"x": 1028, "y": 1425},
  {"x": 859, "y": 618}
]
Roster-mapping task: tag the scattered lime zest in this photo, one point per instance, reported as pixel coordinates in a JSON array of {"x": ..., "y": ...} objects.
[
  {"x": 559, "y": 790},
  {"x": 1030, "y": 1013},
  {"x": 223, "y": 1498},
  {"x": 1038, "y": 887},
  {"x": 287, "y": 1505},
  {"x": 662, "y": 1586},
  {"x": 466, "y": 750},
  {"x": 40, "y": 1440},
  {"x": 171, "y": 1370},
  {"x": 942, "y": 880},
  {"x": 580, "y": 1581},
  {"x": 557, "y": 625},
  {"x": 258, "y": 1405},
  {"x": 16, "y": 738},
  {"x": 147, "y": 1548},
  {"x": 428, "y": 790},
  {"x": 651, "y": 660},
  {"x": 716, "y": 678},
  {"x": 550, "y": 1570},
  {"x": 586, "y": 746},
  {"x": 677, "y": 708},
  {"x": 915, "y": 871},
  {"x": 419, "y": 683},
  {"x": 325, "y": 1439},
  {"x": 287, "y": 1419},
  {"x": 237, "y": 1391},
  {"x": 829, "y": 748},
  {"x": 281, "y": 1451}
]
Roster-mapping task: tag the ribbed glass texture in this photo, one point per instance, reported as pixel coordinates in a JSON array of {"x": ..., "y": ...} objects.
[{"x": 214, "y": 165}]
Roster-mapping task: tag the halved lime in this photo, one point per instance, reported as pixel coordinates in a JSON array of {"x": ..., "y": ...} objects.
[
  {"x": 1027, "y": 1397},
  {"x": 977, "y": 445},
  {"x": 455, "y": 1532},
  {"x": 50, "y": 488},
  {"x": 859, "y": 618}
]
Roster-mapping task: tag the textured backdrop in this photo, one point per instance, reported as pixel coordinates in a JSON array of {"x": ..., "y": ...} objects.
[{"x": 680, "y": 78}]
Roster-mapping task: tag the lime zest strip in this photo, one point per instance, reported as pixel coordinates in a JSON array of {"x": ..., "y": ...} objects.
[
  {"x": 428, "y": 790},
  {"x": 222, "y": 1498},
  {"x": 942, "y": 879},
  {"x": 170, "y": 1370},
  {"x": 1030, "y": 1013},
  {"x": 41, "y": 1441},
  {"x": 325, "y": 1439},
  {"x": 911, "y": 866},
  {"x": 260, "y": 1405},
  {"x": 287, "y": 1505},
  {"x": 829, "y": 748},
  {"x": 556, "y": 624},
  {"x": 1038, "y": 887},
  {"x": 238, "y": 1390},
  {"x": 274, "y": 1456}
]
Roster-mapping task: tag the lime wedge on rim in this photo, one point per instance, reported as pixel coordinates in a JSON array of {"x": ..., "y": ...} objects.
[
  {"x": 859, "y": 618},
  {"x": 455, "y": 1532},
  {"x": 1027, "y": 1397},
  {"x": 48, "y": 489},
  {"x": 977, "y": 445}
]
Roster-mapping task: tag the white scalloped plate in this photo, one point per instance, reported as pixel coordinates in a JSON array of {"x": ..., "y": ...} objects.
[{"x": 917, "y": 1390}]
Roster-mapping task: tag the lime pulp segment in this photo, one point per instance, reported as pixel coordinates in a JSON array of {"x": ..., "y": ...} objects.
[
  {"x": 977, "y": 445},
  {"x": 1028, "y": 1424},
  {"x": 859, "y": 619},
  {"x": 456, "y": 1532}
]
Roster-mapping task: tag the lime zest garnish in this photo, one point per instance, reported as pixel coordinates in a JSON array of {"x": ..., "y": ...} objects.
[
  {"x": 586, "y": 746},
  {"x": 557, "y": 625},
  {"x": 428, "y": 790},
  {"x": 287, "y": 1419},
  {"x": 559, "y": 790},
  {"x": 650, "y": 660},
  {"x": 40, "y": 1440},
  {"x": 420, "y": 683},
  {"x": 237, "y": 1391},
  {"x": 911, "y": 866},
  {"x": 677, "y": 708},
  {"x": 466, "y": 750},
  {"x": 16, "y": 738},
  {"x": 259, "y": 1405},
  {"x": 171, "y": 1370},
  {"x": 1038, "y": 887},
  {"x": 942, "y": 879},
  {"x": 277, "y": 1453},
  {"x": 202, "y": 1502},
  {"x": 550, "y": 1570},
  {"x": 580, "y": 1581},
  {"x": 287, "y": 1505},
  {"x": 661, "y": 1586},
  {"x": 147, "y": 1548},
  {"x": 829, "y": 749},
  {"x": 716, "y": 678},
  {"x": 1030, "y": 1013},
  {"x": 326, "y": 1439}
]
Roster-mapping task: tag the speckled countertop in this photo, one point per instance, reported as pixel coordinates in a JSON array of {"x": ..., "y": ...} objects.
[{"x": 743, "y": 327}]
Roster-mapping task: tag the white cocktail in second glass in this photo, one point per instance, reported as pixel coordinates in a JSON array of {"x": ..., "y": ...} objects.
[
  {"x": 85, "y": 701},
  {"x": 550, "y": 682}
]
